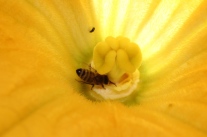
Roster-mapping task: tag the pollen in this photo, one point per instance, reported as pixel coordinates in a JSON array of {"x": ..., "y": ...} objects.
[{"x": 119, "y": 59}]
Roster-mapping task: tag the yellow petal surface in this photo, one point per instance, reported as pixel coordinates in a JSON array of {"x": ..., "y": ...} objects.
[{"x": 43, "y": 42}]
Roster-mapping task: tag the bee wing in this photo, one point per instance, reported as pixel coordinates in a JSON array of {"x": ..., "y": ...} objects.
[{"x": 90, "y": 67}]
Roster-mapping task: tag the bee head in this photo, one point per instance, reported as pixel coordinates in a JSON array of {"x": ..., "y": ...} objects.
[{"x": 78, "y": 71}]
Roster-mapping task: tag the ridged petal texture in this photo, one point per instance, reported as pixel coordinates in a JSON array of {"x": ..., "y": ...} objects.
[{"x": 43, "y": 42}]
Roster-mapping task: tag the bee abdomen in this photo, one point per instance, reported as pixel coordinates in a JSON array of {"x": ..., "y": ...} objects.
[{"x": 85, "y": 75}]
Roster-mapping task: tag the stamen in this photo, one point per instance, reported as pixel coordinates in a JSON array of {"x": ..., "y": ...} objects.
[{"x": 119, "y": 59}]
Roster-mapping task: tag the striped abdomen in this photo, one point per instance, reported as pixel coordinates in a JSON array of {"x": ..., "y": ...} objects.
[{"x": 86, "y": 75}]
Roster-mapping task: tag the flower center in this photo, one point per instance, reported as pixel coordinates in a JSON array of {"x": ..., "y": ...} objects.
[{"x": 119, "y": 60}]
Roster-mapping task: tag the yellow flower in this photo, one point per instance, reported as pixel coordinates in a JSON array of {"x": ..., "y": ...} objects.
[{"x": 42, "y": 43}]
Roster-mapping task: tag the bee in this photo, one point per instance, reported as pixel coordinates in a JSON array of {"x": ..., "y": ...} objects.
[
  {"x": 93, "y": 78},
  {"x": 92, "y": 30}
]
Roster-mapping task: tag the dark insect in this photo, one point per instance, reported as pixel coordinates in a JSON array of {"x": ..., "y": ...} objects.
[
  {"x": 92, "y": 30},
  {"x": 93, "y": 78}
]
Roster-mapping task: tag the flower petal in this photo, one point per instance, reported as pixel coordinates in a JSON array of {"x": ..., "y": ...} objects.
[
  {"x": 37, "y": 68},
  {"x": 36, "y": 59}
]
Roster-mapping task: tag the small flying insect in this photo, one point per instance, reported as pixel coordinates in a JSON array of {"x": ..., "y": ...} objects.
[
  {"x": 92, "y": 30},
  {"x": 92, "y": 77}
]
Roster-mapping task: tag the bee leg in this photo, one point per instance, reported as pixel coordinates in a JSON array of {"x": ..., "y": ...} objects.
[
  {"x": 92, "y": 86},
  {"x": 112, "y": 83},
  {"x": 103, "y": 86},
  {"x": 86, "y": 83},
  {"x": 82, "y": 82}
]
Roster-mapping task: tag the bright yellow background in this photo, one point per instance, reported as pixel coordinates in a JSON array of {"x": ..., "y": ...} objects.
[{"x": 42, "y": 43}]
